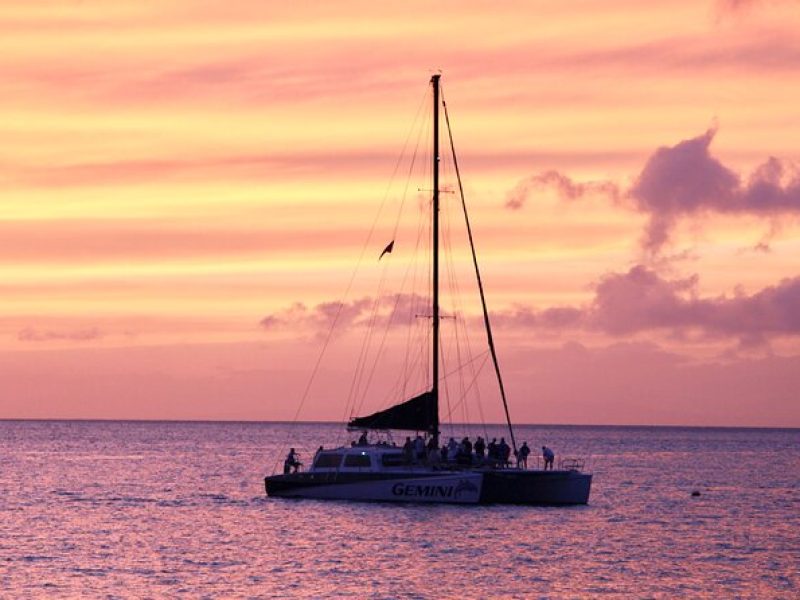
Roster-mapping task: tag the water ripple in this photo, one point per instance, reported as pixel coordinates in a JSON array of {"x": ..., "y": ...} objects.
[{"x": 112, "y": 510}]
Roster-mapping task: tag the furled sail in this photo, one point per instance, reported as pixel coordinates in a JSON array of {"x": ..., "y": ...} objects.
[{"x": 416, "y": 414}]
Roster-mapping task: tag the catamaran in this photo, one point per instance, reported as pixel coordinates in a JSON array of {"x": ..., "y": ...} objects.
[{"x": 385, "y": 472}]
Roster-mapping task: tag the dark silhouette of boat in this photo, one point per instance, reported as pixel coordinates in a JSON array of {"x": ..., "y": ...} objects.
[{"x": 384, "y": 472}]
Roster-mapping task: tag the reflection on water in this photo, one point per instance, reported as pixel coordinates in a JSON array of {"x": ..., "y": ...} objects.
[{"x": 168, "y": 509}]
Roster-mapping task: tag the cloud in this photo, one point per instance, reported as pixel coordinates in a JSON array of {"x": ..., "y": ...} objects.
[
  {"x": 321, "y": 316},
  {"x": 640, "y": 300},
  {"x": 624, "y": 305},
  {"x": 640, "y": 382},
  {"x": 732, "y": 7},
  {"x": 566, "y": 188},
  {"x": 386, "y": 311},
  {"x": 683, "y": 180},
  {"x": 563, "y": 317},
  {"x": 31, "y": 334}
]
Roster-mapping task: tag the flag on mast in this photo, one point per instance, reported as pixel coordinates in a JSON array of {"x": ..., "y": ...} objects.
[{"x": 387, "y": 250}]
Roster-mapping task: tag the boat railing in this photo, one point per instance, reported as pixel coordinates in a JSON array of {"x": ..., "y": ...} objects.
[
  {"x": 571, "y": 464},
  {"x": 568, "y": 463}
]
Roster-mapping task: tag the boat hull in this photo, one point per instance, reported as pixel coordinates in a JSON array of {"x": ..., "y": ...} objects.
[
  {"x": 509, "y": 486},
  {"x": 449, "y": 488},
  {"x": 551, "y": 488}
]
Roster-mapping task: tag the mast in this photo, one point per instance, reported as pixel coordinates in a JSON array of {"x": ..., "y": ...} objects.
[{"x": 435, "y": 390}]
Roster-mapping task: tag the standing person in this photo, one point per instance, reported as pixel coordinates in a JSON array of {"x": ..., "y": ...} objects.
[
  {"x": 291, "y": 462},
  {"x": 522, "y": 455},
  {"x": 432, "y": 445},
  {"x": 419, "y": 449},
  {"x": 504, "y": 450},
  {"x": 480, "y": 448},
  {"x": 467, "y": 446},
  {"x": 452, "y": 449},
  {"x": 493, "y": 450},
  {"x": 549, "y": 457},
  {"x": 460, "y": 453},
  {"x": 434, "y": 456},
  {"x": 408, "y": 451}
]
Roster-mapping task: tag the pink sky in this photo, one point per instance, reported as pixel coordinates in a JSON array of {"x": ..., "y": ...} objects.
[{"x": 187, "y": 186}]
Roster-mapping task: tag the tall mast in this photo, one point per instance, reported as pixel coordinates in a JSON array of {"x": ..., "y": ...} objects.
[{"x": 435, "y": 403}]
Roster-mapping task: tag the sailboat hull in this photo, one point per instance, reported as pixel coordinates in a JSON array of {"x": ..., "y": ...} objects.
[
  {"x": 509, "y": 486},
  {"x": 449, "y": 488},
  {"x": 553, "y": 488}
]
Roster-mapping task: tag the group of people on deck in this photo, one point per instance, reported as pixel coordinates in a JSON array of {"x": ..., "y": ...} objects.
[
  {"x": 467, "y": 453},
  {"x": 464, "y": 453}
]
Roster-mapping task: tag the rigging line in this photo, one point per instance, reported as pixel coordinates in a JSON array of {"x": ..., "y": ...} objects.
[
  {"x": 472, "y": 382},
  {"x": 462, "y": 326},
  {"x": 483, "y": 355},
  {"x": 478, "y": 276},
  {"x": 335, "y": 320},
  {"x": 378, "y": 354},
  {"x": 361, "y": 363},
  {"x": 412, "y": 305},
  {"x": 355, "y": 384},
  {"x": 452, "y": 283},
  {"x": 425, "y": 205},
  {"x": 461, "y": 367},
  {"x": 400, "y": 385},
  {"x": 461, "y": 379},
  {"x": 477, "y": 387},
  {"x": 455, "y": 296},
  {"x": 393, "y": 312},
  {"x": 422, "y": 102},
  {"x": 358, "y": 374},
  {"x": 408, "y": 176},
  {"x": 458, "y": 309},
  {"x": 360, "y": 391},
  {"x": 455, "y": 343},
  {"x": 398, "y": 390},
  {"x": 444, "y": 380}
]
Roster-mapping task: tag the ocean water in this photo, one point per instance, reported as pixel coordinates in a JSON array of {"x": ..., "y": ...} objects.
[{"x": 164, "y": 510}]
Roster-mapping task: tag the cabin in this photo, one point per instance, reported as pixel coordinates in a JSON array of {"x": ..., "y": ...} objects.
[{"x": 358, "y": 459}]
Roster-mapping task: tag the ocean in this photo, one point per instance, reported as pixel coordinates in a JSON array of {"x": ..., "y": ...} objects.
[{"x": 164, "y": 510}]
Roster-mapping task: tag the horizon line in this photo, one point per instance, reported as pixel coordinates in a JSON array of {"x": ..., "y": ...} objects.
[{"x": 343, "y": 423}]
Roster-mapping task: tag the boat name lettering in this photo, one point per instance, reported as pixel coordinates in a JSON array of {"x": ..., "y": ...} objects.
[{"x": 425, "y": 491}]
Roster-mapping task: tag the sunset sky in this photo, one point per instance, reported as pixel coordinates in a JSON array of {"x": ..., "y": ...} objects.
[{"x": 187, "y": 187}]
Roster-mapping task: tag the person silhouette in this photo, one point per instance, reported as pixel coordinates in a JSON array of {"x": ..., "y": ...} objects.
[
  {"x": 549, "y": 458},
  {"x": 522, "y": 455}
]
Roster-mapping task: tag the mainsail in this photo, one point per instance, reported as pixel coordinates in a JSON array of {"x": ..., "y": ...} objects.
[{"x": 416, "y": 414}]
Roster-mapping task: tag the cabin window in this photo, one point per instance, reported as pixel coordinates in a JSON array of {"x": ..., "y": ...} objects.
[
  {"x": 328, "y": 461},
  {"x": 393, "y": 460},
  {"x": 357, "y": 460}
]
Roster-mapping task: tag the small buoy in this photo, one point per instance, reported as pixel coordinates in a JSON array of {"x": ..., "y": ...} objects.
[{"x": 695, "y": 493}]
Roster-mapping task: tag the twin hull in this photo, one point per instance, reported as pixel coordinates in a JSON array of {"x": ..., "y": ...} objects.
[{"x": 461, "y": 487}]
